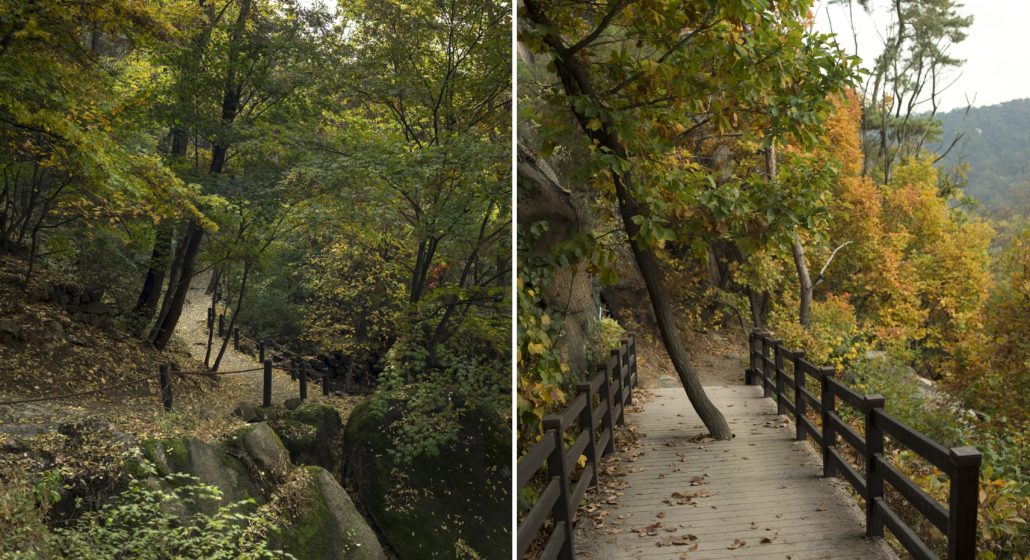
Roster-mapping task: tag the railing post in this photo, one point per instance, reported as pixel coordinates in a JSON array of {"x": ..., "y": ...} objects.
[
  {"x": 556, "y": 469},
  {"x": 617, "y": 395},
  {"x": 829, "y": 406},
  {"x": 236, "y": 338},
  {"x": 221, "y": 325},
  {"x": 210, "y": 318},
  {"x": 628, "y": 379},
  {"x": 799, "y": 397},
  {"x": 266, "y": 387},
  {"x": 962, "y": 503},
  {"x": 749, "y": 373},
  {"x": 765, "y": 367},
  {"x": 633, "y": 360},
  {"x": 586, "y": 420},
  {"x": 303, "y": 375},
  {"x": 261, "y": 351},
  {"x": 166, "y": 387},
  {"x": 606, "y": 397},
  {"x": 781, "y": 408},
  {"x": 873, "y": 476}
]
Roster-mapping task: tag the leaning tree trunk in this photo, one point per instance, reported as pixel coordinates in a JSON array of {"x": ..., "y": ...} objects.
[
  {"x": 235, "y": 315},
  {"x": 664, "y": 314},
  {"x": 192, "y": 243},
  {"x": 150, "y": 294},
  {"x": 576, "y": 82}
]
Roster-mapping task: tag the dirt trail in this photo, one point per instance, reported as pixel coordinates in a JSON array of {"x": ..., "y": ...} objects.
[
  {"x": 202, "y": 406},
  {"x": 719, "y": 358},
  {"x": 243, "y": 387}
]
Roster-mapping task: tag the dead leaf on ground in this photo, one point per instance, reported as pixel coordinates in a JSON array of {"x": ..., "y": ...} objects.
[{"x": 737, "y": 544}]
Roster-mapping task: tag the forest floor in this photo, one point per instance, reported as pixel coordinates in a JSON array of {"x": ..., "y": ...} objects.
[{"x": 44, "y": 354}]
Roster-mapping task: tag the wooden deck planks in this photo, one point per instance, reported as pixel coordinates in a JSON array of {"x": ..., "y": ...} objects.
[{"x": 761, "y": 477}]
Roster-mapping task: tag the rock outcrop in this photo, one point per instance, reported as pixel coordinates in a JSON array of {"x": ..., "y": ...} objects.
[
  {"x": 329, "y": 526},
  {"x": 248, "y": 465},
  {"x": 211, "y": 465}
]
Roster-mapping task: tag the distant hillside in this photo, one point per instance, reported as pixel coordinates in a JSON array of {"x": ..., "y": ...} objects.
[{"x": 996, "y": 145}]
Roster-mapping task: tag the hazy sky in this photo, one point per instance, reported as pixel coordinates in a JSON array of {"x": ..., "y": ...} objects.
[{"x": 996, "y": 52}]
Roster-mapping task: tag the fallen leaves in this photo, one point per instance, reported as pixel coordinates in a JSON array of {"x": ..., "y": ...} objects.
[{"x": 737, "y": 544}]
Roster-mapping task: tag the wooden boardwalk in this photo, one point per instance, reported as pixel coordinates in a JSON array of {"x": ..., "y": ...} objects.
[{"x": 760, "y": 485}]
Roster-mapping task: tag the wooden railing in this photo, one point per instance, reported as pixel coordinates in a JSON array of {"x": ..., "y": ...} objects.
[
  {"x": 768, "y": 358},
  {"x": 599, "y": 405}
]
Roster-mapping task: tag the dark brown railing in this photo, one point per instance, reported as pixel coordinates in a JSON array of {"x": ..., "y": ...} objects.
[
  {"x": 599, "y": 405},
  {"x": 960, "y": 464}
]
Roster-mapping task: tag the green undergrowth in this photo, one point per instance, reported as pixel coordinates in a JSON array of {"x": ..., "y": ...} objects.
[{"x": 150, "y": 521}]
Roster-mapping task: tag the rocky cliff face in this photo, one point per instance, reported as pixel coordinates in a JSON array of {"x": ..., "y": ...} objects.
[{"x": 573, "y": 292}]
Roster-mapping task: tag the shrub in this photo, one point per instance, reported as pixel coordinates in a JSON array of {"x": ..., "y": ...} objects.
[{"x": 146, "y": 522}]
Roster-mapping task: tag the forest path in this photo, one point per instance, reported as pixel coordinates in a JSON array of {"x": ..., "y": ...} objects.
[
  {"x": 241, "y": 387},
  {"x": 202, "y": 405},
  {"x": 687, "y": 496}
]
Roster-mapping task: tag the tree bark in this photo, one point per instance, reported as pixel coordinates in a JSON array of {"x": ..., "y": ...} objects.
[{"x": 576, "y": 82}]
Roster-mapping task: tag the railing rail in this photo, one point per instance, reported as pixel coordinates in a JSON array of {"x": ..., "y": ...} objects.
[
  {"x": 612, "y": 389},
  {"x": 961, "y": 464}
]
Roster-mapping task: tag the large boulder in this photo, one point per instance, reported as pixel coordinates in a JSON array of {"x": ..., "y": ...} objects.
[
  {"x": 209, "y": 464},
  {"x": 434, "y": 506},
  {"x": 264, "y": 447},
  {"x": 328, "y": 526}
]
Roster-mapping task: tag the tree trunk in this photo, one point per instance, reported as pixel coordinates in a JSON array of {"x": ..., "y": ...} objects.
[
  {"x": 805, "y": 310},
  {"x": 759, "y": 304},
  {"x": 160, "y": 258},
  {"x": 663, "y": 311},
  {"x": 173, "y": 280},
  {"x": 804, "y": 279},
  {"x": 214, "y": 306},
  {"x": 235, "y": 315},
  {"x": 576, "y": 82},
  {"x": 167, "y": 326}
]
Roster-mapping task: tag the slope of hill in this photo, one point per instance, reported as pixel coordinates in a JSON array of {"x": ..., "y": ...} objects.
[{"x": 996, "y": 144}]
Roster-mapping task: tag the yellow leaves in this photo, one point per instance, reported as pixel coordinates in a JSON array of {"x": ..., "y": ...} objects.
[
  {"x": 536, "y": 348},
  {"x": 594, "y": 124}
]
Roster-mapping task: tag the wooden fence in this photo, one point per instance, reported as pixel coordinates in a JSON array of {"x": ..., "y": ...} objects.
[
  {"x": 599, "y": 405},
  {"x": 768, "y": 358},
  {"x": 300, "y": 368}
]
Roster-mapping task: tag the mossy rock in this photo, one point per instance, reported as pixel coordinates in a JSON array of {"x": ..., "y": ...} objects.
[
  {"x": 209, "y": 464},
  {"x": 328, "y": 526},
  {"x": 424, "y": 510},
  {"x": 263, "y": 447}
]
